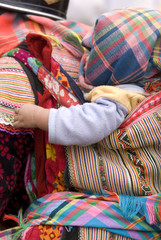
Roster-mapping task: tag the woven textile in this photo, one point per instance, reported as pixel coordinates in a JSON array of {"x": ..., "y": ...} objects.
[
  {"x": 16, "y": 26},
  {"x": 117, "y": 163},
  {"x": 43, "y": 232},
  {"x": 116, "y": 155},
  {"x": 14, "y": 149},
  {"x": 128, "y": 161},
  {"x": 123, "y": 47},
  {"x": 78, "y": 209},
  {"x": 8, "y": 234},
  {"x": 99, "y": 233},
  {"x": 15, "y": 89},
  {"x": 55, "y": 81},
  {"x": 65, "y": 59}
]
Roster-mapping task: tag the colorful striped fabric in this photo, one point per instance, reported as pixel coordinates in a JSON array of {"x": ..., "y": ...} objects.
[
  {"x": 16, "y": 26},
  {"x": 65, "y": 59},
  {"x": 77, "y": 209},
  {"x": 99, "y": 233},
  {"x": 127, "y": 162},
  {"x": 15, "y": 89},
  {"x": 113, "y": 216},
  {"x": 56, "y": 82},
  {"x": 130, "y": 169},
  {"x": 123, "y": 47},
  {"x": 14, "y": 29},
  {"x": 9, "y": 234}
]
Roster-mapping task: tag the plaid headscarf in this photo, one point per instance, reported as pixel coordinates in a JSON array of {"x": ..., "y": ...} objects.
[{"x": 124, "y": 46}]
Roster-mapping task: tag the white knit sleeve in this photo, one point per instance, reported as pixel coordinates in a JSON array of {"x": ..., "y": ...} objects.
[{"x": 85, "y": 124}]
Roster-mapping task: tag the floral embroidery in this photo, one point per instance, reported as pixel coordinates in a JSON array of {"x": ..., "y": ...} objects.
[
  {"x": 13, "y": 155},
  {"x": 10, "y": 180},
  {"x": 59, "y": 183},
  {"x": 55, "y": 87},
  {"x": 49, "y": 232}
]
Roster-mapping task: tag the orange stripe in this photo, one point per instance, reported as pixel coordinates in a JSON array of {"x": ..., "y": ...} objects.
[{"x": 134, "y": 223}]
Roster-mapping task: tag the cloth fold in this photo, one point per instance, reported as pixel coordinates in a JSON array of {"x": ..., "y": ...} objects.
[
  {"x": 79, "y": 209},
  {"x": 129, "y": 99},
  {"x": 41, "y": 48}
]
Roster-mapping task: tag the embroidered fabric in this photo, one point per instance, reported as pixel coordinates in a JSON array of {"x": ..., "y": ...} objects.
[{"x": 15, "y": 89}]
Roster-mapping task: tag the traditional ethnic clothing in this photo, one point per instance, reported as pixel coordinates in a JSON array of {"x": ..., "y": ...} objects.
[{"x": 118, "y": 179}]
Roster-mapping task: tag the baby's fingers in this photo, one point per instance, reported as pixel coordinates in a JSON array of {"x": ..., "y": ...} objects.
[{"x": 16, "y": 122}]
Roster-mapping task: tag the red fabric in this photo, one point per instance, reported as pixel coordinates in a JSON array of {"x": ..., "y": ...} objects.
[
  {"x": 56, "y": 162},
  {"x": 41, "y": 48},
  {"x": 40, "y": 162},
  {"x": 33, "y": 233},
  {"x": 40, "y": 153},
  {"x": 55, "y": 169},
  {"x": 48, "y": 171}
]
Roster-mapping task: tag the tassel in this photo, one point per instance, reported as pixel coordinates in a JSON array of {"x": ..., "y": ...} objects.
[
  {"x": 147, "y": 207},
  {"x": 130, "y": 206},
  {"x": 23, "y": 225},
  {"x": 152, "y": 210}
]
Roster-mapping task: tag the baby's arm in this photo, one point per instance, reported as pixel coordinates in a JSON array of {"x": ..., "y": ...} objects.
[
  {"x": 82, "y": 124},
  {"x": 78, "y": 125},
  {"x": 85, "y": 124}
]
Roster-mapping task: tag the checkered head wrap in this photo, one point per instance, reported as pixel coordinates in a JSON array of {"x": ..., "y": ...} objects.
[{"x": 124, "y": 46}]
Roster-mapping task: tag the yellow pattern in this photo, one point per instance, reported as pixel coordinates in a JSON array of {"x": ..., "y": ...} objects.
[
  {"x": 49, "y": 232},
  {"x": 59, "y": 183},
  {"x": 50, "y": 152}
]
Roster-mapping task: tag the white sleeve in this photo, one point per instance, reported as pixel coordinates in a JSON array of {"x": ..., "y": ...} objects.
[{"x": 85, "y": 124}]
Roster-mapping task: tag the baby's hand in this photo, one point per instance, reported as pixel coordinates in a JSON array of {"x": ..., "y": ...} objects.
[
  {"x": 31, "y": 116},
  {"x": 24, "y": 117}
]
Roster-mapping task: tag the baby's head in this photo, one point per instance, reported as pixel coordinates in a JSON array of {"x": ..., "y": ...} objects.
[{"x": 120, "y": 49}]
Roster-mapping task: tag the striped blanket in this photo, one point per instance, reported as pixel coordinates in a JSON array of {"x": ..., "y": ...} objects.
[
  {"x": 128, "y": 161},
  {"x": 15, "y": 89},
  {"x": 78, "y": 209},
  {"x": 16, "y": 26}
]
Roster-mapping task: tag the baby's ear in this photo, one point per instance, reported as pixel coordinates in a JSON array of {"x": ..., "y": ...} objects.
[{"x": 41, "y": 48}]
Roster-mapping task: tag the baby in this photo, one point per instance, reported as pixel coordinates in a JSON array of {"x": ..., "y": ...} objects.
[
  {"x": 114, "y": 71},
  {"x": 83, "y": 124}
]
